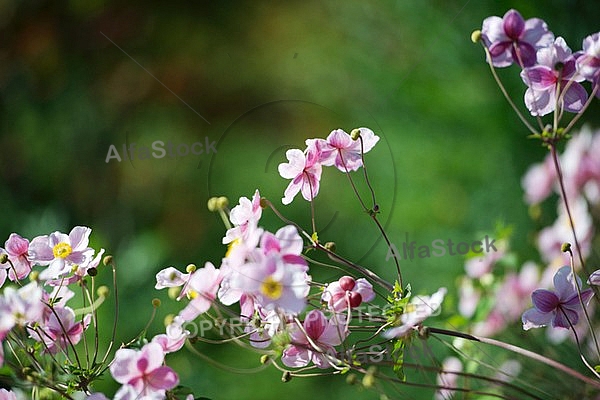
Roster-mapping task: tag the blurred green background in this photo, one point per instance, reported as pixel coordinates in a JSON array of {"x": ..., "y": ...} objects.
[{"x": 258, "y": 78}]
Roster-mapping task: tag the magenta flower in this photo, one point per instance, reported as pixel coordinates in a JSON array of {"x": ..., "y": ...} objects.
[
  {"x": 559, "y": 308},
  {"x": 304, "y": 169},
  {"x": 61, "y": 329},
  {"x": 17, "y": 249},
  {"x": 419, "y": 309},
  {"x": 142, "y": 371},
  {"x": 512, "y": 39},
  {"x": 60, "y": 252},
  {"x": 589, "y": 62},
  {"x": 318, "y": 344},
  {"x": 347, "y": 292},
  {"x": 202, "y": 290},
  {"x": 340, "y": 150},
  {"x": 554, "y": 79}
]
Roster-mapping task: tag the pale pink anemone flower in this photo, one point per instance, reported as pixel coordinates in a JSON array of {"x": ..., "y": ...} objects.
[
  {"x": 17, "y": 250},
  {"x": 316, "y": 341},
  {"x": 60, "y": 330},
  {"x": 142, "y": 371},
  {"x": 60, "y": 252},
  {"x": 418, "y": 310},
  {"x": 343, "y": 152},
  {"x": 304, "y": 169}
]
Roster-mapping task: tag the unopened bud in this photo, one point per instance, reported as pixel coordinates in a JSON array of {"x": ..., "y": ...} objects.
[
  {"x": 476, "y": 36},
  {"x": 190, "y": 268},
  {"x": 264, "y": 359},
  {"x": 92, "y": 271},
  {"x": 286, "y": 377},
  {"x": 103, "y": 291},
  {"x": 107, "y": 260},
  {"x": 156, "y": 303},
  {"x": 173, "y": 292},
  {"x": 566, "y": 247},
  {"x": 368, "y": 380},
  {"x": 264, "y": 203},
  {"x": 33, "y": 276},
  {"x": 351, "y": 379},
  {"x": 3, "y": 258},
  {"x": 355, "y": 134},
  {"x": 212, "y": 204},
  {"x": 330, "y": 246},
  {"x": 222, "y": 202}
]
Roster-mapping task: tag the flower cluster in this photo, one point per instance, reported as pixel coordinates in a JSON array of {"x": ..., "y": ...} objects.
[{"x": 551, "y": 71}]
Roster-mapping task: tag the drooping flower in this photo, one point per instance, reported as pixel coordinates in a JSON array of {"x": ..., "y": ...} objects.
[
  {"x": 419, "y": 309},
  {"x": 559, "y": 308},
  {"x": 347, "y": 292},
  {"x": 60, "y": 329},
  {"x": 170, "y": 277},
  {"x": 202, "y": 290},
  {"x": 17, "y": 250},
  {"x": 343, "y": 152},
  {"x": 142, "y": 371},
  {"x": 513, "y": 39},
  {"x": 589, "y": 62},
  {"x": 554, "y": 80},
  {"x": 304, "y": 169},
  {"x": 316, "y": 341},
  {"x": 244, "y": 217},
  {"x": 60, "y": 252}
]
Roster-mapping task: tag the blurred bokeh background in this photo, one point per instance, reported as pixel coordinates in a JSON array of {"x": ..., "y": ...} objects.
[{"x": 256, "y": 78}]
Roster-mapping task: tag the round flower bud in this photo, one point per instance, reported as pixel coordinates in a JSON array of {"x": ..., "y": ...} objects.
[
  {"x": 190, "y": 268},
  {"x": 355, "y": 134},
  {"x": 92, "y": 271},
  {"x": 107, "y": 260},
  {"x": 286, "y": 377},
  {"x": 102, "y": 291},
  {"x": 476, "y": 36},
  {"x": 155, "y": 303},
  {"x": 33, "y": 276},
  {"x": 330, "y": 246},
  {"x": 222, "y": 202},
  {"x": 212, "y": 204},
  {"x": 264, "y": 359},
  {"x": 3, "y": 258},
  {"x": 565, "y": 247},
  {"x": 347, "y": 283},
  {"x": 173, "y": 292}
]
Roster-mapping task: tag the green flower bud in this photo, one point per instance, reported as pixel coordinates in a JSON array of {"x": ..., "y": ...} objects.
[{"x": 476, "y": 36}]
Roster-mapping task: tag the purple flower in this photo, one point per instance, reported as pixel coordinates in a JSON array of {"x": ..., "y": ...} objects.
[
  {"x": 304, "y": 169},
  {"x": 61, "y": 329},
  {"x": 554, "y": 78},
  {"x": 589, "y": 62},
  {"x": 512, "y": 39},
  {"x": 561, "y": 307}
]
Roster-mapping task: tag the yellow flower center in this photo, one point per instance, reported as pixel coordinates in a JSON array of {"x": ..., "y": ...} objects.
[
  {"x": 271, "y": 288},
  {"x": 192, "y": 294},
  {"x": 62, "y": 250}
]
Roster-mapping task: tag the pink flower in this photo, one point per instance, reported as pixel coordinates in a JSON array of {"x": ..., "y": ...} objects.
[
  {"x": 20, "y": 307},
  {"x": 512, "y": 39},
  {"x": 7, "y": 395},
  {"x": 175, "y": 337},
  {"x": 170, "y": 277},
  {"x": 420, "y": 308},
  {"x": 244, "y": 217},
  {"x": 202, "y": 290},
  {"x": 60, "y": 251},
  {"x": 304, "y": 169},
  {"x": 16, "y": 248},
  {"x": 340, "y": 150},
  {"x": 315, "y": 342},
  {"x": 347, "y": 292},
  {"x": 560, "y": 308},
  {"x": 273, "y": 283},
  {"x": 554, "y": 78},
  {"x": 447, "y": 379},
  {"x": 61, "y": 329},
  {"x": 142, "y": 371},
  {"x": 538, "y": 181},
  {"x": 589, "y": 63}
]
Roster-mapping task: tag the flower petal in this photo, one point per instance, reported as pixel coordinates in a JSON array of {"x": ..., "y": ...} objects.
[{"x": 533, "y": 318}]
